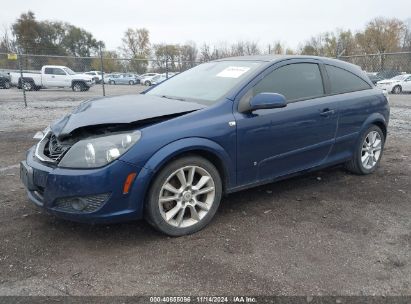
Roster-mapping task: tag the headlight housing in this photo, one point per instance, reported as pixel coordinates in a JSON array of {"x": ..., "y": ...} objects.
[{"x": 95, "y": 152}]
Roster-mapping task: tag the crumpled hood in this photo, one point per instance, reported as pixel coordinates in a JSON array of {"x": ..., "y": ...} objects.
[{"x": 120, "y": 110}]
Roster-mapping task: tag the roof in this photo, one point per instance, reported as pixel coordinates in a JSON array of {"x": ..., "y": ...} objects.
[{"x": 273, "y": 58}]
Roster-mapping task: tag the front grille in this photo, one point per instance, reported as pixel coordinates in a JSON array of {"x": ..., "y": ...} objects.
[{"x": 81, "y": 204}]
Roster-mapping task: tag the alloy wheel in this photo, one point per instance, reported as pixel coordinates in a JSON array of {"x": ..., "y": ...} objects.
[
  {"x": 371, "y": 150},
  {"x": 397, "y": 90},
  {"x": 77, "y": 87},
  {"x": 27, "y": 86},
  {"x": 186, "y": 196}
]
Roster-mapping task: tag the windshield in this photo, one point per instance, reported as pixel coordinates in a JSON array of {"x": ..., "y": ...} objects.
[
  {"x": 399, "y": 77},
  {"x": 69, "y": 71},
  {"x": 206, "y": 83}
]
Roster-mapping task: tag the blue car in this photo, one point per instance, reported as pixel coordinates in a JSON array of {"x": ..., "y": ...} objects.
[{"x": 170, "y": 153}]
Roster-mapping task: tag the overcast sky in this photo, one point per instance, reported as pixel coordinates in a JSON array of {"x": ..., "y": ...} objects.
[{"x": 212, "y": 21}]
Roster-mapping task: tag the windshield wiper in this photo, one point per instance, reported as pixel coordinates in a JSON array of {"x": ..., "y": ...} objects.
[{"x": 172, "y": 97}]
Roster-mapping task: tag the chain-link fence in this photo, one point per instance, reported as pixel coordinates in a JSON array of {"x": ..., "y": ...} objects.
[
  {"x": 385, "y": 65},
  {"x": 50, "y": 77},
  {"x": 119, "y": 76}
]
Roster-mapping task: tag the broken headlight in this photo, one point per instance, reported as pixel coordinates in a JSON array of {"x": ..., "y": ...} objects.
[{"x": 99, "y": 151}]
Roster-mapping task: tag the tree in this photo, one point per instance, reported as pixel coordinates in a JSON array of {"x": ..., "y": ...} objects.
[
  {"x": 136, "y": 46},
  {"x": 382, "y": 35},
  {"x": 166, "y": 55},
  {"x": 110, "y": 62},
  {"x": 78, "y": 42},
  {"x": 188, "y": 55},
  {"x": 52, "y": 37}
]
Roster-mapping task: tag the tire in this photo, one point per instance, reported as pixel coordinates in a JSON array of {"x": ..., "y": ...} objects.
[
  {"x": 7, "y": 85},
  {"x": 77, "y": 87},
  {"x": 183, "y": 220},
  {"x": 111, "y": 82},
  {"x": 147, "y": 83},
  {"x": 396, "y": 90},
  {"x": 131, "y": 82},
  {"x": 356, "y": 165},
  {"x": 28, "y": 85}
]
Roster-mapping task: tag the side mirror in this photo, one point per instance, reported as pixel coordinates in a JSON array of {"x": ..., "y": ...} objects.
[{"x": 267, "y": 101}]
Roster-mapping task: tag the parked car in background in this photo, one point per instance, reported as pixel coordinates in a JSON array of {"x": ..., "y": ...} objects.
[
  {"x": 129, "y": 79},
  {"x": 4, "y": 81},
  {"x": 171, "y": 153},
  {"x": 145, "y": 79},
  {"x": 52, "y": 76},
  {"x": 374, "y": 78},
  {"x": 97, "y": 75},
  {"x": 397, "y": 84},
  {"x": 107, "y": 77},
  {"x": 158, "y": 79}
]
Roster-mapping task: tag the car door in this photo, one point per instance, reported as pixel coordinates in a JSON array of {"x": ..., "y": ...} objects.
[
  {"x": 56, "y": 77},
  {"x": 406, "y": 86},
  {"x": 276, "y": 142}
]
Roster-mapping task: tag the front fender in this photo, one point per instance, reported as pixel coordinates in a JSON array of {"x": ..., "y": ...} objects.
[{"x": 166, "y": 153}]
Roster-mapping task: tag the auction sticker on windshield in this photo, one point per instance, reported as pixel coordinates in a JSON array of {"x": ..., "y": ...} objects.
[{"x": 233, "y": 72}]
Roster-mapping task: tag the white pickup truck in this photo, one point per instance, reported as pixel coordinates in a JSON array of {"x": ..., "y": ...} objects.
[{"x": 52, "y": 76}]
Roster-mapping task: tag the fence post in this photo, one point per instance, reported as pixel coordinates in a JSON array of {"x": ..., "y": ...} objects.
[
  {"x": 22, "y": 79},
  {"x": 102, "y": 71},
  {"x": 166, "y": 66}
]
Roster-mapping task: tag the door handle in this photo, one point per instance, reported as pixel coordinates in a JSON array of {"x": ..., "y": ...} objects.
[{"x": 327, "y": 112}]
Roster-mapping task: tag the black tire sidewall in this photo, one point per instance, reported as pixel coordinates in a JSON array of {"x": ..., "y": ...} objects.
[
  {"x": 359, "y": 148},
  {"x": 152, "y": 210},
  {"x": 399, "y": 89}
]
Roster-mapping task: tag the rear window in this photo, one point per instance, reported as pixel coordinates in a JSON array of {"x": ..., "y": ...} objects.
[{"x": 342, "y": 81}]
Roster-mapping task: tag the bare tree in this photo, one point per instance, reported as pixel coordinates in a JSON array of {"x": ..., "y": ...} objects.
[{"x": 136, "y": 46}]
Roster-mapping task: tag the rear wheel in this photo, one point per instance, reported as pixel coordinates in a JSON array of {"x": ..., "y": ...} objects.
[
  {"x": 368, "y": 152},
  {"x": 184, "y": 196},
  {"x": 111, "y": 82},
  {"x": 397, "y": 90},
  {"x": 27, "y": 85},
  {"x": 7, "y": 85}
]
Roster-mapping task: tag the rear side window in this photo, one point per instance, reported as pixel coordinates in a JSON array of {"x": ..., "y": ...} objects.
[
  {"x": 294, "y": 81},
  {"x": 342, "y": 81}
]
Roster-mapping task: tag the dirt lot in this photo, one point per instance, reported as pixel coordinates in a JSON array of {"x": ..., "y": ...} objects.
[{"x": 327, "y": 233}]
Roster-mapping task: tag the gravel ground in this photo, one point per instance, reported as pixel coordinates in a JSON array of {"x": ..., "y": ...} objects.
[{"x": 326, "y": 233}]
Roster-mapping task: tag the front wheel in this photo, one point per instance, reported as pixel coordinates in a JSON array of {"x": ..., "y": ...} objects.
[
  {"x": 397, "y": 90},
  {"x": 184, "y": 196},
  {"x": 147, "y": 83},
  {"x": 77, "y": 87},
  {"x": 368, "y": 152},
  {"x": 131, "y": 82},
  {"x": 7, "y": 85}
]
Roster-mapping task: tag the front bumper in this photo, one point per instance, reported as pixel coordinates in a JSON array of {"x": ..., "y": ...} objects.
[
  {"x": 387, "y": 87},
  {"x": 47, "y": 186}
]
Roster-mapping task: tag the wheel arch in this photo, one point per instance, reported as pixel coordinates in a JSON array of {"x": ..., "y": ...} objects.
[
  {"x": 375, "y": 119},
  {"x": 74, "y": 81},
  {"x": 202, "y": 147}
]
